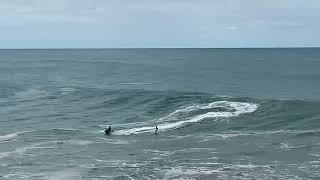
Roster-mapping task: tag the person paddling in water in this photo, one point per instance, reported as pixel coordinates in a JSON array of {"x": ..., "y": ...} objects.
[{"x": 108, "y": 131}]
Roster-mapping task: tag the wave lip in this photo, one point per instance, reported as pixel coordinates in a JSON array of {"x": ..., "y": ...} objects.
[
  {"x": 232, "y": 109},
  {"x": 8, "y": 137}
]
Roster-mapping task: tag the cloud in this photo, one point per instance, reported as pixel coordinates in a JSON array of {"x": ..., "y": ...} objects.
[
  {"x": 232, "y": 28},
  {"x": 144, "y": 23}
]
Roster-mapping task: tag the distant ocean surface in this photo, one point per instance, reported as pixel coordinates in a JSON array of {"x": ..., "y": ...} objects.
[{"x": 221, "y": 113}]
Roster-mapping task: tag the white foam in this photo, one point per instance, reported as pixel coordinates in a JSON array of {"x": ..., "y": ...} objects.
[
  {"x": 284, "y": 146},
  {"x": 67, "y": 90},
  {"x": 120, "y": 142},
  {"x": 313, "y": 154},
  {"x": 79, "y": 142},
  {"x": 31, "y": 94},
  {"x": 159, "y": 153},
  {"x": 21, "y": 151},
  {"x": 17, "y": 152},
  {"x": 4, "y": 154},
  {"x": 17, "y": 175},
  {"x": 287, "y": 146},
  {"x": 134, "y": 131},
  {"x": 8, "y": 137},
  {"x": 249, "y": 166},
  {"x": 135, "y": 83},
  {"x": 234, "y": 109},
  {"x": 181, "y": 172},
  {"x": 70, "y": 174},
  {"x": 224, "y": 136}
]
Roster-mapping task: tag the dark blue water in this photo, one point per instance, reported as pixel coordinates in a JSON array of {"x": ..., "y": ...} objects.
[{"x": 221, "y": 114}]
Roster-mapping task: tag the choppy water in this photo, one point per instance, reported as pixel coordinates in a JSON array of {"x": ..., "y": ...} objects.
[{"x": 221, "y": 114}]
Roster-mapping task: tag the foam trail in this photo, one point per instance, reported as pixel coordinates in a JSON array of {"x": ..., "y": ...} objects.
[
  {"x": 8, "y": 137},
  {"x": 236, "y": 109}
]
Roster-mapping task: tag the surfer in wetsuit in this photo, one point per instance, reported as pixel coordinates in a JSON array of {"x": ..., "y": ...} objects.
[
  {"x": 108, "y": 131},
  {"x": 156, "y": 131}
]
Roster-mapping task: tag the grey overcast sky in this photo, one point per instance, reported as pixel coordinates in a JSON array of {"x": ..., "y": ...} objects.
[{"x": 159, "y": 23}]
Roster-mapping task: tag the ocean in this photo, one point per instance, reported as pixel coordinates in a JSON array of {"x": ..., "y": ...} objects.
[{"x": 221, "y": 113}]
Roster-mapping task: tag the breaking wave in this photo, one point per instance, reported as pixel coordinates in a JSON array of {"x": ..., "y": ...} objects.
[
  {"x": 196, "y": 113},
  {"x": 8, "y": 137}
]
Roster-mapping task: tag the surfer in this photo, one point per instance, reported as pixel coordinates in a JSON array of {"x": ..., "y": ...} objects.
[
  {"x": 156, "y": 131},
  {"x": 108, "y": 131}
]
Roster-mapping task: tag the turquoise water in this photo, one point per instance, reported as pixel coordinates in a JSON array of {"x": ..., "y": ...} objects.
[{"x": 221, "y": 114}]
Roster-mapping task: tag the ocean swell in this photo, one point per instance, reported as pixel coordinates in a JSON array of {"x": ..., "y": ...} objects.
[{"x": 217, "y": 110}]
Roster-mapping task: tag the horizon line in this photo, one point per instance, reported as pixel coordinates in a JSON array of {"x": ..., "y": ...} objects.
[{"x": 88, "y": 48}]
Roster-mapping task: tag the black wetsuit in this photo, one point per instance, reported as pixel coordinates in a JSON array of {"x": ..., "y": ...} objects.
[
  {"x": 108, "y": 131},
  {"x": 156, "y": 132}
]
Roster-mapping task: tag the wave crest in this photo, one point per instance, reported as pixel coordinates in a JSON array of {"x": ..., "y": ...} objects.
[
  {"x": 192, "y": 114},
  {"x": 8, "y": 137}
]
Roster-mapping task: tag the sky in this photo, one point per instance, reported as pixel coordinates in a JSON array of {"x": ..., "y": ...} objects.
[{"x": 159, "y": 23}]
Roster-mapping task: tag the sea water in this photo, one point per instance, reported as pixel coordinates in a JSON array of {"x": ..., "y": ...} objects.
[{"x": 221, "y": 114}]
